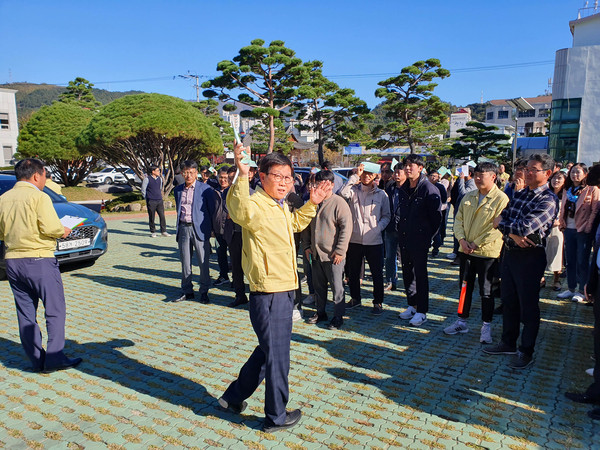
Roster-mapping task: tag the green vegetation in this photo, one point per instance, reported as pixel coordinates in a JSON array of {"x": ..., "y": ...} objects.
[
  {"x": 139, "y": 130},
  {"x": 478, "y": 140},
  {"x": 50, "y": 135},
  {"x": 418, "y": 116},
  {"x": 81, "y": 194}
]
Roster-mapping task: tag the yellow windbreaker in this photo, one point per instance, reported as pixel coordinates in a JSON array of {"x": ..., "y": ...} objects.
[
  {"x": 473, "y": 221},
  {"x": 269, "y": 250}
]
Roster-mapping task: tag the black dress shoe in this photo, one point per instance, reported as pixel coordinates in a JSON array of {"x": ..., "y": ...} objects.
[
  {"x": 204, "y": 299},
  {"x": 594, "y": 414},
  {"x": 318, "y": 318},
  {"x": 291, "y": 419},
  {"x": 582, "y": 398},
  {"x": 182, "y": 298},
  {"x": 236, "y": 408},
  {"x": 238, "y": 302},
  {"x": 64, "y": 365},
  {"x": 336, "y": 323}
]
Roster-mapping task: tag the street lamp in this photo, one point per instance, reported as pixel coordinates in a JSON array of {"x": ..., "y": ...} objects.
[{"x": 519, "y": 104}]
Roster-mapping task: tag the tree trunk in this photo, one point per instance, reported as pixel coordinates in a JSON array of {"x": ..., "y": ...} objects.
[{"x": 271, "y": 134}]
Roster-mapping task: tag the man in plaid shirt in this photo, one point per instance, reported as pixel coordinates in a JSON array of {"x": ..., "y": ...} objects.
[{"x": 525, "y": 224}]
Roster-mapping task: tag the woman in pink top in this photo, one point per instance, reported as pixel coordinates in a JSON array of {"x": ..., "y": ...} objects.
[{"x": 579, "y": 206}]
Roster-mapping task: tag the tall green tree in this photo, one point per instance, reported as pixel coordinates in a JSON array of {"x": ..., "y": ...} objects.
[
  {"x": 267, "y": 77},
  {"x": 79, "y": 92},
  {"x": 478, "y": 140},
  {"x": 50, "y": 135},
  {"x": 417, "y": 115},
  {"x": 261, "y": 138},
  {"x": 139, "y": 130},
  {"x": 336, "y": 115},
  {"x": 210, "y": 108}
]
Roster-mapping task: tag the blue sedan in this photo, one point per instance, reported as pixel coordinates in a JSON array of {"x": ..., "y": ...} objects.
[{"x": 86, "y": 243}]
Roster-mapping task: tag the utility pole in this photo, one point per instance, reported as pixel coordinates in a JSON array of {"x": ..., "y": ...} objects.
[{"x": 197, "y": 85}]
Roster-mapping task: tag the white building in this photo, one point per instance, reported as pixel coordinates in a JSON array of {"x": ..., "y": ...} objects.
[
  {"x": 574, "y": 130},
  {"x": 459, "y": 120},
  {"x": 9, "y": 126},
  {"x": 534, "y": 121}
]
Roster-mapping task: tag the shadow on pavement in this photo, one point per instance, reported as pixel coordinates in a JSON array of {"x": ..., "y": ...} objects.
[{"x": 104, "y": 360}]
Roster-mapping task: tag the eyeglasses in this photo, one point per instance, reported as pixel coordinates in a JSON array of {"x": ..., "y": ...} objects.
[
  {"x": 279, "y": 178},
  {"x": 532, "y": 170}
]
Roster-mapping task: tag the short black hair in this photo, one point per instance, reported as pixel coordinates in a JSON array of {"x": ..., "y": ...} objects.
[
  {"x": 152, "y": 168},
  {"x": 486, "y": 167},
  {"x": 324, "y": 175},
  {"x": 200, "y": 169},
  {"x": 414, "y": 159},
  {"x": 223, "y": 169},
  {"x": 544, "y": 158},
  {"x": 26, "y": 168},
  {"x": 232, "y": 169},
  {"x": 325, "y": 165},
  {"x": 275, "y": 159},
  {"x": 189, "y": 164},
  {"x": 399, "y": 166},
  {"x": 593, "y": 177}
]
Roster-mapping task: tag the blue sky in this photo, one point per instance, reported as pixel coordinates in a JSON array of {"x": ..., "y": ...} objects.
[{"x": 122, "y": 45}]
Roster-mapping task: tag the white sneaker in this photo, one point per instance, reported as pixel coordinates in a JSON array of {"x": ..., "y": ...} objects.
[
  {"x": 590, "y": 372},
  {"x": 153, "y": 235},
  {"x": 460, "y": 326},
  {"x": 408, "y": 313},
  {"x": 418, "y": 320},
  {"x": 451, "y": 255},
  {"x": 486, "y": 333},
  {"x": 165, "y": 234},
  {"x": 309, "y": 300},
  {"x": 296, "y": 315},
  {"x": 577, "y": 297},
  {"x": 565, "y": 294}
]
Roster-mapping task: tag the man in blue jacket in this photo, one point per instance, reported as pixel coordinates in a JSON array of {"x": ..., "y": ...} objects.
[
  {"x": 195, "y": 208},
  {"x": 420, "y": 217}
]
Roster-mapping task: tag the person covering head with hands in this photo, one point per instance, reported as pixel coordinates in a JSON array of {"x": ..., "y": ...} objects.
[
  {"x": 29, "y": 227},
  {"x": 269, "y": 262}
]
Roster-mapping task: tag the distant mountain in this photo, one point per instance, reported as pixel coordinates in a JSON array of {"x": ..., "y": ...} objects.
[{"x": 31, "y": 97}]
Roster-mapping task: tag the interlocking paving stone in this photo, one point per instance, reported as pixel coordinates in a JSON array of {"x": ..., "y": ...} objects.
[{"x": 153, "y": 370}]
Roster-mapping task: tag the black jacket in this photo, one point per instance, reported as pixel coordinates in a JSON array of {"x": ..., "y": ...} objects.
[{"x": 420, "y": 215}]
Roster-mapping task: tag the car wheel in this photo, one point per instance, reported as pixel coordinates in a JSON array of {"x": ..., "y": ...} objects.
[{"x": 108, "y": 180}]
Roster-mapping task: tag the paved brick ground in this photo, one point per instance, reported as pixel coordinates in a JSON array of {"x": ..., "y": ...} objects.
[{"x": 152, "y": 370}]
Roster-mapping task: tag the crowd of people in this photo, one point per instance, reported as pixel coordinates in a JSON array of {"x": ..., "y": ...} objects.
[{"x": 507, "y": 232}]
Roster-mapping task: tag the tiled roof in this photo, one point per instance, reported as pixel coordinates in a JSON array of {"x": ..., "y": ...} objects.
[{"x": 531, "y": 100}]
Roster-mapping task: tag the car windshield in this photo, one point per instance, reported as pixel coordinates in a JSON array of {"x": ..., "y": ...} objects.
[
  {"x": 107, "y": 170},
  {"x": 7, "y": 185}
]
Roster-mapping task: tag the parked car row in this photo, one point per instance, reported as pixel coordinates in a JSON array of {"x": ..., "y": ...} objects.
[{"x": 110, "y": 175}]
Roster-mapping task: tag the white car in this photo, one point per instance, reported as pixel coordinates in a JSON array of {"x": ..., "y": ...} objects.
[{"x": 108, "y": 175}]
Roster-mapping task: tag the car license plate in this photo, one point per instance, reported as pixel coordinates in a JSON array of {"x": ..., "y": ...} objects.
[{"x": 74, "y": 244}]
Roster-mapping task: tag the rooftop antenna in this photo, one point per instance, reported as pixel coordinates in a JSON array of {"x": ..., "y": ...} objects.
[{"x": 481, "y": 98}]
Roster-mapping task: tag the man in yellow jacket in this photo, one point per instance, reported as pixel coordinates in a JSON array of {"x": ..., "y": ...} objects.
[
  {"x": 29, "y": 228},
  {"x": 480, "y": 246},
  {"x": 269, "y": 263}
]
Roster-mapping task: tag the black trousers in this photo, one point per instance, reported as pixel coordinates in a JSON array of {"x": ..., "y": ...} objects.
[
  {"x": 522, "y": 271},
  {"x": 374, "y": 256},
  {"x": 156, "y": 206},
  {"x": 222, "y": 256},
  {"x": 237, "y": 274},
  {"x": 271, "y": 317},
  {"x": 594, "y": 389},
  {"x": 484, "y": 269},
  {"x": 416, "y": 281}
]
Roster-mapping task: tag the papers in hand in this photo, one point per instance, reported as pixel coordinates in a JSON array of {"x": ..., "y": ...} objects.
[{"x": 72, "y": 221}]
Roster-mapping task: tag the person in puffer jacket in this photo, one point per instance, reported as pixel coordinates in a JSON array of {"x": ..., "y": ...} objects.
[{"x": 370, "y": 216}]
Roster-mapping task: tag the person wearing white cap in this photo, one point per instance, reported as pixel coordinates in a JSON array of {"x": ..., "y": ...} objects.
[{"x": 370, "y": 216}]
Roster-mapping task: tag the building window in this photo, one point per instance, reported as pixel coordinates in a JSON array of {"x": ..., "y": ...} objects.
[
  {"x": 543, "y": 112},
  {"x": 3, "y": 121},
  {"x": 7, "y": 153},
  {"x": 564, "y": 129},
  {"x": 502, "y": 114},
  {"x": 489, "y": 116},
  {"x": 528, "y": 113}
]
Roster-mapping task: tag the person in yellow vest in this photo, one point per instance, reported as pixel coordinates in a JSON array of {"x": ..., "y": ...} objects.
[
  {"x": 50, "y": 184},
  {"x": 269, "y": 262},
  {"x": 29, "y": 227}
]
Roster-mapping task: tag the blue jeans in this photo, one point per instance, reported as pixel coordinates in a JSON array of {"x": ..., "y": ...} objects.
[
  {"x": 392, "y": 253},
  {"x": 578, "y": 247}
]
